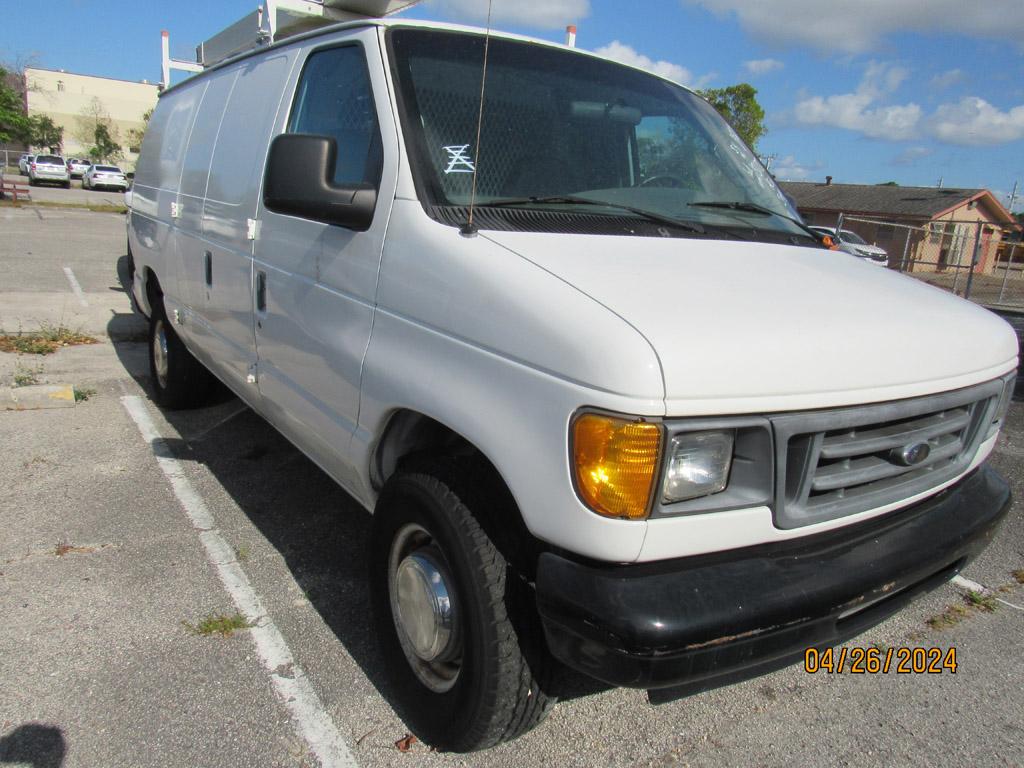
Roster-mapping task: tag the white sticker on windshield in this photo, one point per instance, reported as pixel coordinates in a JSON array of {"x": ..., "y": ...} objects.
[{"x": 458, "y": 159}]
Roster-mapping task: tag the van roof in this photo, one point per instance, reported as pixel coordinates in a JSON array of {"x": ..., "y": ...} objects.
[{"x": 398, "y": 22}]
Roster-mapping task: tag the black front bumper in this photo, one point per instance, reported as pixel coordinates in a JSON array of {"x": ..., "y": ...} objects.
[{"x": 700, "y": 622}]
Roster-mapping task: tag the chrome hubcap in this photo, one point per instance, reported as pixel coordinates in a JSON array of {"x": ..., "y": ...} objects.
[
  {"x": 424, "y": 608},
  {"x": 160, "y": 353}
]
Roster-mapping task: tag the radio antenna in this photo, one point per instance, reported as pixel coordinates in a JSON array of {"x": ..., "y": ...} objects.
[{"x": 468, "y": 228}]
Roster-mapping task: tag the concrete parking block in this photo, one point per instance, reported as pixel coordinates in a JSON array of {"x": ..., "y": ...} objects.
[{"x": 37, "y": 396}]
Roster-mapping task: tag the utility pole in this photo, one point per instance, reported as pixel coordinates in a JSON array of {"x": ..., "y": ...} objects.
[{"x": 1013, "y": 198}]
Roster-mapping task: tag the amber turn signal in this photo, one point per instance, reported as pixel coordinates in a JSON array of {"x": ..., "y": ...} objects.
[{"x": 615, "y": 463}]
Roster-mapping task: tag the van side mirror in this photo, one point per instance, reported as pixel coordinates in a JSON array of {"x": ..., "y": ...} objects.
[{"x": 299, "y": 183}]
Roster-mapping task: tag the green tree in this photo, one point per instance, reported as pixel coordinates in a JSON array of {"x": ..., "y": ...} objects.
[
  {"x": 13, "y": 120},
  {"x": 105, "y": 147},
  {"x": 135, "y": 135},
  {"x": 738, "y": 105},
  {"x": 43, "y": 132}
]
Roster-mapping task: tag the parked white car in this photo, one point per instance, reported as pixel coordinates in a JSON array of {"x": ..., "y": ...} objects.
[
  {"x": 619, "y": 408},
  {"x": 24, "y": 162},
  {"x": 104, "y": 176},
  {"x": 852, "y": 243},
  {"x": 77, "y": 167},
  {"x": 49, "y": 168}
]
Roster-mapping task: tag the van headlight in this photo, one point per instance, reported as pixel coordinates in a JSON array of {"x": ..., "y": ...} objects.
[
  {"x": 697, "y": 464},
  {"x": 637, "y": 468}
]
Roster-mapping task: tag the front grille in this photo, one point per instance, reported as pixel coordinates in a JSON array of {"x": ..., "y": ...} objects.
[{"x": 840, "y": 462}]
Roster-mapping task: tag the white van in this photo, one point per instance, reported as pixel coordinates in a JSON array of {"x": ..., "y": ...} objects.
[{"x": 632, "y": 416}]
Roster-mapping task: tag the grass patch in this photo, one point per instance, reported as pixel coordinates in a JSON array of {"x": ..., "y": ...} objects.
[
  {"x": 973, "y": 602},
  {"x": 242, "y": 552},
  {"x": 81, "y": 395},
  {"x": 1018, "y": 575},
  {"x": 950, "y": 617},
  {"x": 93, "y": 207},
  {"x": 218, "y": 624},
  {"x": 47, "y": 340},
  {"x": 982, "y": 602}
]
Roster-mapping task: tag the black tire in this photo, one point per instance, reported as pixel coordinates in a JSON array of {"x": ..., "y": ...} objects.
[
  {"x": 497, "y": 694},
  {"x": 179, "y": 380},
  {"x": 67, "y": 185}
]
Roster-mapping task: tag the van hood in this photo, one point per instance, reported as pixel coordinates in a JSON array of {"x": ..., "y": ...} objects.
[{"x": 748, "y": 327}]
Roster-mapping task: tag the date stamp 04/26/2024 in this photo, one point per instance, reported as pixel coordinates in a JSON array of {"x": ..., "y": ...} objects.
[{"x": 902, "y": 660}]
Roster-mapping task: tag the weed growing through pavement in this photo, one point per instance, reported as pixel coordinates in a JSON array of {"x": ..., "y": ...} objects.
[
  {"x": 218, "y": 624},
  {"x": 973, "y": 603},
  {"x": 47, "y": 340},
  {"x": 242, "y": 552},
  {"x": 83, "y": 394},
  {"x": 1018, "y": 575},
  {"x": 25, "y": 376},
  {"x": 984, "y": 602}
]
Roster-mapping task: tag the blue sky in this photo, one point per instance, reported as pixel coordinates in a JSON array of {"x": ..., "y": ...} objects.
[{"x": 866, "y": 91}]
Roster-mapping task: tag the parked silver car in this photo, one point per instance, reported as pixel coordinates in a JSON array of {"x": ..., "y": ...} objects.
[
  {"x": 77, "y": 167},
  {"x": 854, "y": 244},
  {"x": 51, "y": 168},
  {"x": 98, "y": 176},
  {"x": 24, "y": 163}
]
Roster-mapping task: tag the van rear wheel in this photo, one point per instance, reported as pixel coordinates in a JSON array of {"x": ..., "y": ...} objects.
[
  {"x": 463, "y": 661},
  {"x": 179, "y": 380}
]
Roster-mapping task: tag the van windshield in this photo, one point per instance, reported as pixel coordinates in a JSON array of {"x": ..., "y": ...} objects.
[{"x": 573, "y": 134}]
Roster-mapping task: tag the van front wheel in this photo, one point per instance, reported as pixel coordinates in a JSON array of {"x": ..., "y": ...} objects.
[
  {"x": 464, "y": 671},
  {"x": 179, "y": 380}
]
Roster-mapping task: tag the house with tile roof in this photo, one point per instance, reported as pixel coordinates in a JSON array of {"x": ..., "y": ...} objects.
[{"x": 930, "y": 228}]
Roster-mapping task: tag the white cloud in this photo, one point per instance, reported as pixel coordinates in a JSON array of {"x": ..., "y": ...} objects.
[
  {"x": 855, "y": 111},
  {"x": 629, "y": 55},
  {"x": 949, "y": 78},
  {"x": 763, "y": 66},
  {"x": 855, "y": 26},
  {"x": 542, "y": 14},
  {"x": 789, "y": 168},
  {"x": 911, "y": 155},
  {"x": 974, "y": 122}
]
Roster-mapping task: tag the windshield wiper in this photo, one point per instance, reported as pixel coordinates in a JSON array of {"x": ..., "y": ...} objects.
[
  {"x": 689, "y": 226},
  {"x": 748, "y": 207}
]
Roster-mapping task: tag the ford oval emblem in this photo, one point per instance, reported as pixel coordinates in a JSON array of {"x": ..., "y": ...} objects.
[{"x": 911, "y": 455}]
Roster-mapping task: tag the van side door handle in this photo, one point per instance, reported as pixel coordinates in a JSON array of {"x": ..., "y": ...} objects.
[
  {"x": 208, "y": 268},
  {"x": 261, "y": 291}
]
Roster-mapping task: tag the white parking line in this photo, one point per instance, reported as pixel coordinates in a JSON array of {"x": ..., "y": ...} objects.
[
  {"x": 288, "y": 679},
  {"x": 76, "y": 287}
]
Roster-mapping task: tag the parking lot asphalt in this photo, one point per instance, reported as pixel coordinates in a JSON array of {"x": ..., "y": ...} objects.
[{"x": 104, "y": 579}]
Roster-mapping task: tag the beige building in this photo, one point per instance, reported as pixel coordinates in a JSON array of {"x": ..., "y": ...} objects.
[{"x": 75, "y": 102}]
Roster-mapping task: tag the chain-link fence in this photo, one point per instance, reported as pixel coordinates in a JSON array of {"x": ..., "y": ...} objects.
[{"x": 974, "y": 259}]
